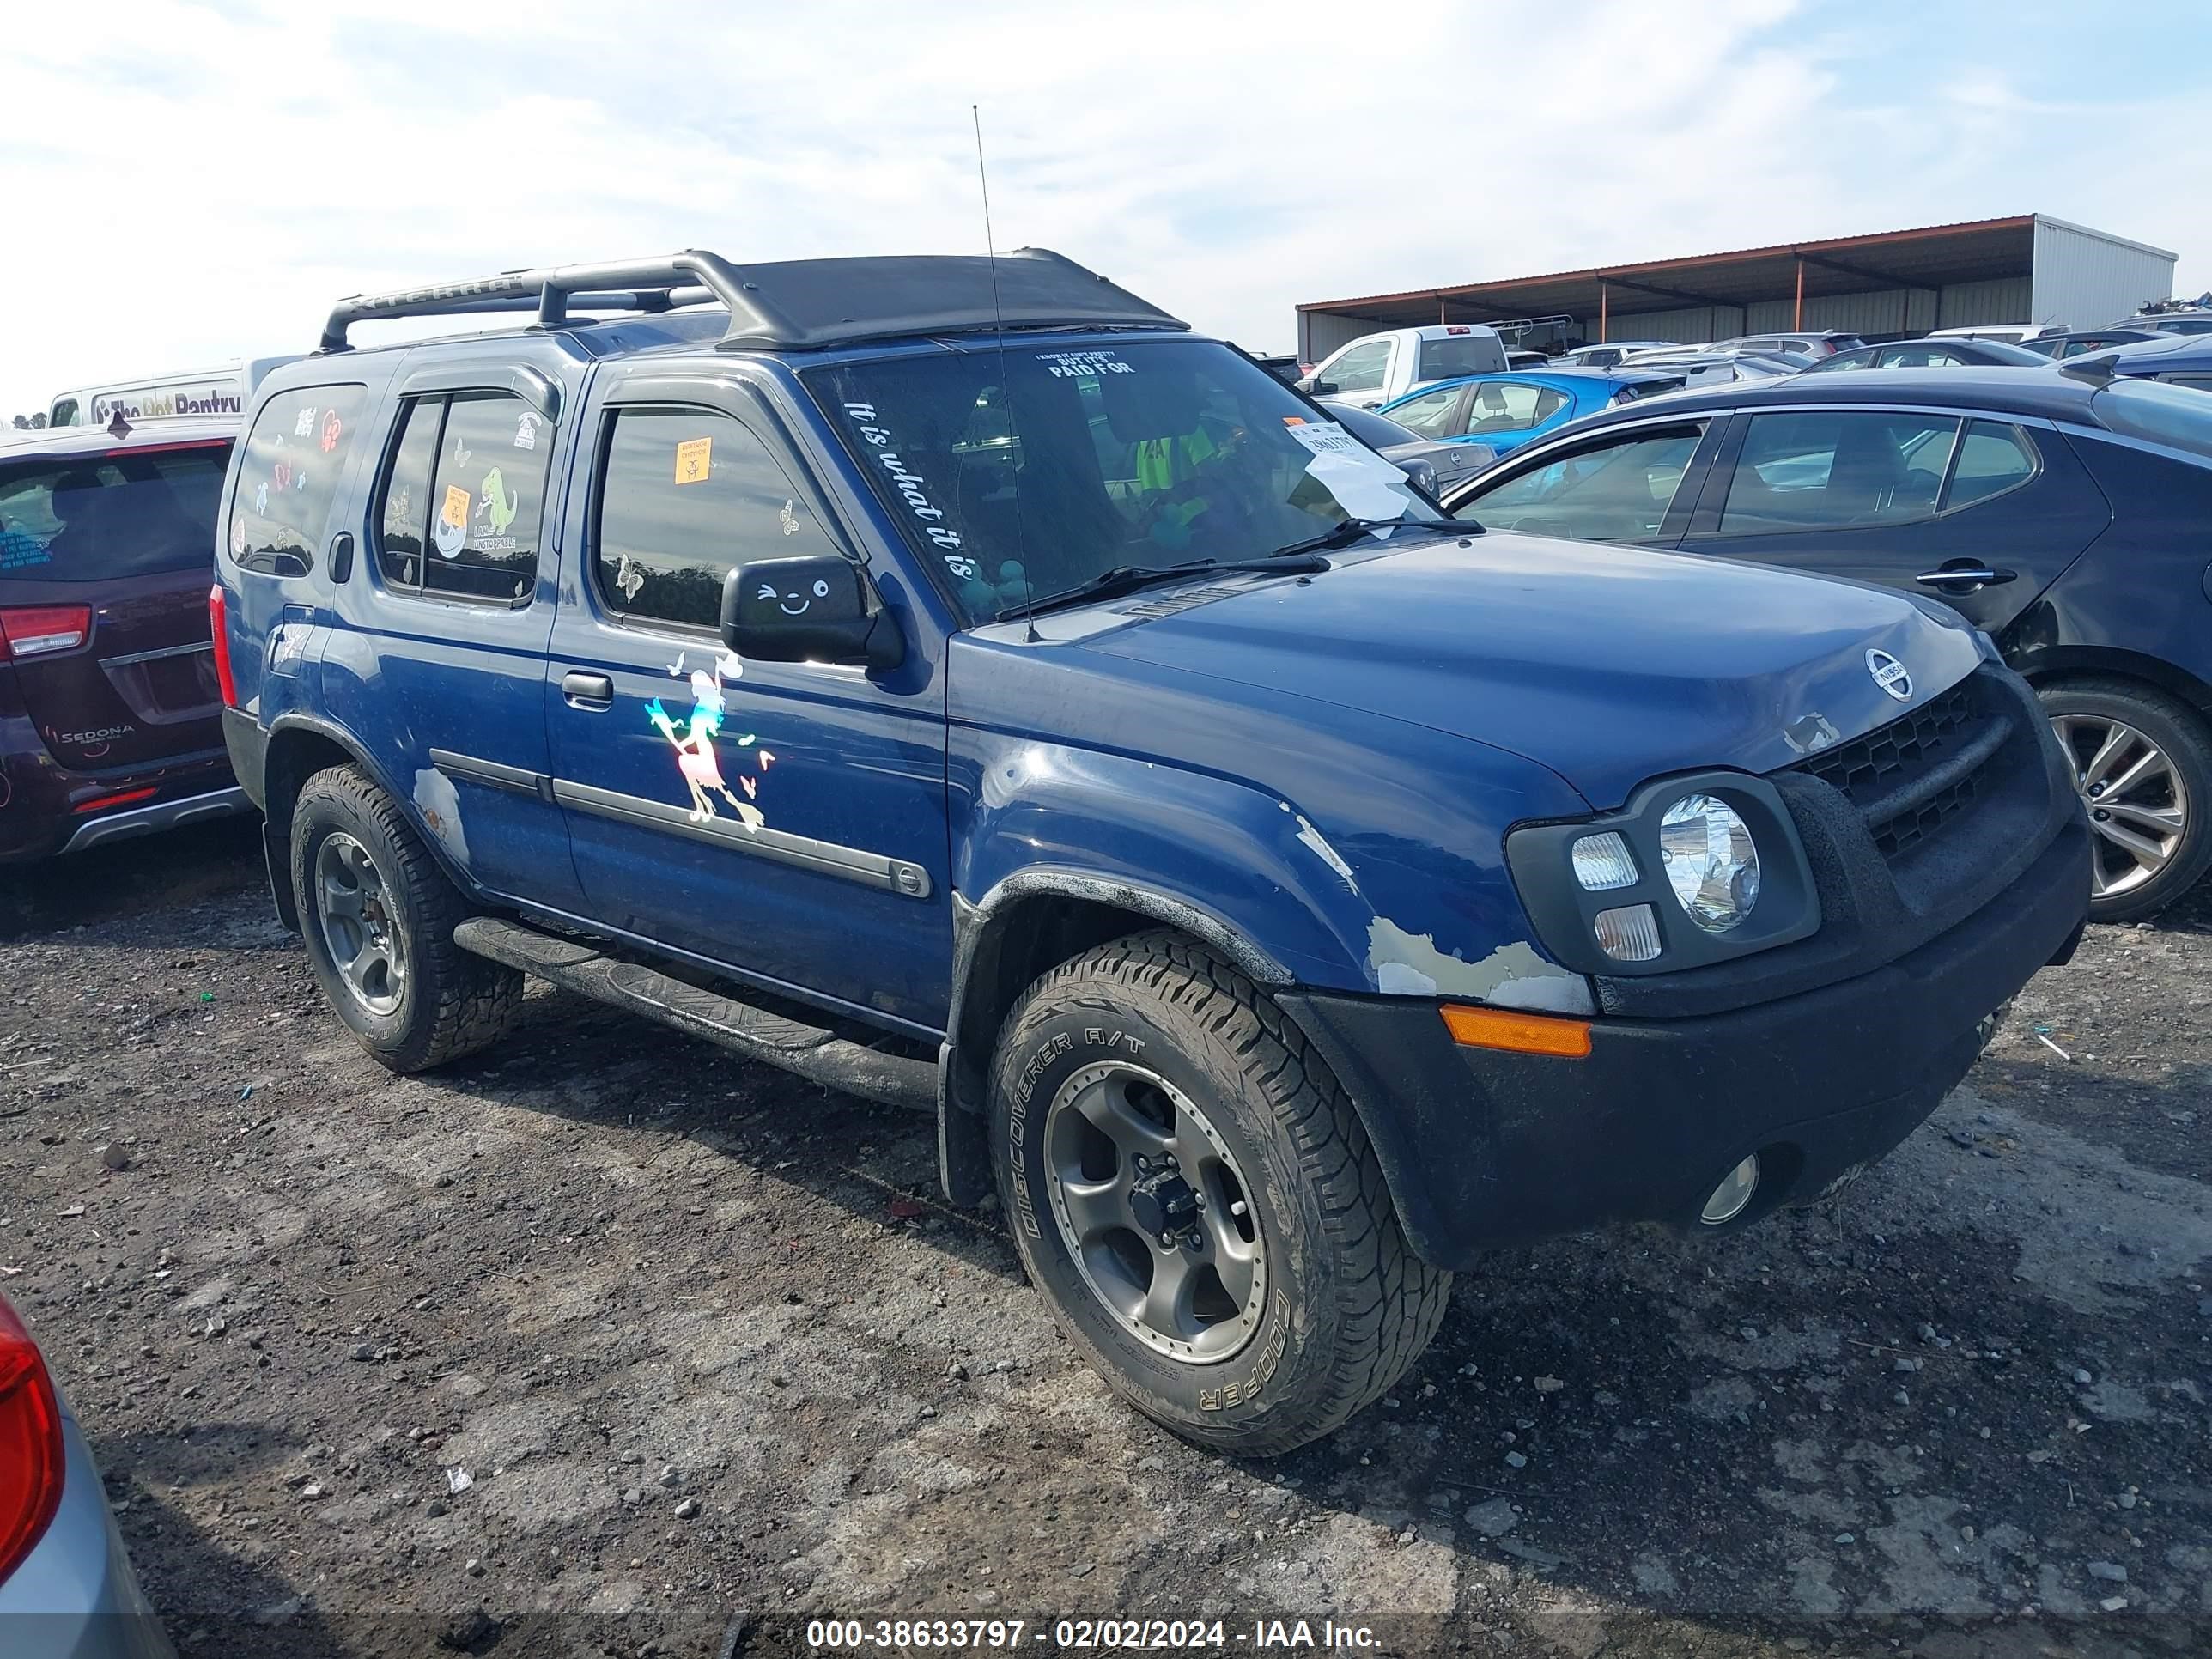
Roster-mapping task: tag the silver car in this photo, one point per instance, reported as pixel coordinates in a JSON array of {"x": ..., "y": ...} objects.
[{"x": 66, "y": 1587}]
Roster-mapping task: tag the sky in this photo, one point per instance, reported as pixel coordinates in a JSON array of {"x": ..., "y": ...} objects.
[{"x": 191, "y": 183}]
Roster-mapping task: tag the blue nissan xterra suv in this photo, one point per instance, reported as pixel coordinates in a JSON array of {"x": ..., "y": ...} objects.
[{"x": 956, "y": 682}]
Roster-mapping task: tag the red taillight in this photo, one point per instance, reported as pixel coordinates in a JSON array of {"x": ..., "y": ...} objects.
[
  {"x": 41, "y": 631},
  {"x": 220, "y": 629},
  {"x": 30, "y": 1443}
]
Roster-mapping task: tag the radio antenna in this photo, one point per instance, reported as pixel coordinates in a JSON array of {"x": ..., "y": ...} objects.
[{"x": 1006, "y": 389}]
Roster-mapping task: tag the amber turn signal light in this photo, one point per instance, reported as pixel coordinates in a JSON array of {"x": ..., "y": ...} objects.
[{"x": 1522, "y": 1034}]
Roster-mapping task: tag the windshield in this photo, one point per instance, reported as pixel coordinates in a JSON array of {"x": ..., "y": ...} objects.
[
  {"x": 129, "y": 513},
  {"x": 1028, "y": 473},
  {"x": 2176, "y": 414}
]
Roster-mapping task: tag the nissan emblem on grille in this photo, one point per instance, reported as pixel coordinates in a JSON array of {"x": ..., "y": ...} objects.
[{"x": 1891, "y": 675}]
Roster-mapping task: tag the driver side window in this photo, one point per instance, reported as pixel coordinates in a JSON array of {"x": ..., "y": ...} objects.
[
  {"x": 685, "y": 496},
  {"x": 1360, "y": 369},
  {"x": 1616, "y": 491},
  {"x": 1431, "y": 413}
]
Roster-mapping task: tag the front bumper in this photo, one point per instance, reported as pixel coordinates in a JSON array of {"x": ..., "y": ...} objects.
[
  {"x": 75, "y": 1595},
  {"x": 1483, "y": 1148}
]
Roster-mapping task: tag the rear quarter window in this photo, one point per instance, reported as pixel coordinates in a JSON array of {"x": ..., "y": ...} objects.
[
  {"x": 459, "y": 513},
  {"x": 125, "y": 512},
  {"x": 295, "y": 457}
]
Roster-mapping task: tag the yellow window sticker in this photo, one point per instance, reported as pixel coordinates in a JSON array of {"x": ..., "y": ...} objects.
[
  {"x": 692, "y": 456},
  {"x": 455, "y": 510}
]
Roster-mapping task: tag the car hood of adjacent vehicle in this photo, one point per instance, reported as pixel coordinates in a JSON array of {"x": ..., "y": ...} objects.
[{"x": 1610, "y": 666}]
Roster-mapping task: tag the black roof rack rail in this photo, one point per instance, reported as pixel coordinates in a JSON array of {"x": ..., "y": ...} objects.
[
  {"x": 792, "y": 304},
  {"x": 691, "y": 278}
]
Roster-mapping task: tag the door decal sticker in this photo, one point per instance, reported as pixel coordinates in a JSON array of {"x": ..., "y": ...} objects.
[{"x": 694, "y": 743}]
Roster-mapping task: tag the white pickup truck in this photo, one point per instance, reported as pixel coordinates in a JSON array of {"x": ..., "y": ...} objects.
[{"x": 1375, "y": 368}]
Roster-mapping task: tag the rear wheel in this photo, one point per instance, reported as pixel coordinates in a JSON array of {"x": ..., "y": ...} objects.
[
  {"x": 1197, "y": 1200},
  {"x": 377, "y": 917},
  {"x": 2142, "y": 764}
]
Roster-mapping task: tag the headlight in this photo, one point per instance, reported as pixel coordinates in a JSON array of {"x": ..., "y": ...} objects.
[
  {"x": 1689, "y": 871},
  {"x": 1710, "y": 861}
]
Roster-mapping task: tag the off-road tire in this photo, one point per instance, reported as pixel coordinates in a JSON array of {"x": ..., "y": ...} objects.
[
  {"x": 1348, "y": 1306},
  {"x": 453, "y": 1003},
  {"x": 2184, "y": 738}
]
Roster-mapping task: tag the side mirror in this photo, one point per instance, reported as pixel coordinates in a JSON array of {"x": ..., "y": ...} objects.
[
  {"x": 1421, "y": 474},
  {"x": 1314, "y": 388},
  {"x": 807, "y": 610}
]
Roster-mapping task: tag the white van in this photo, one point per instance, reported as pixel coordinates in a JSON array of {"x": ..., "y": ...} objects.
[
  {"x": 1377, "y": 368},
  {"x": 218, "y": 392}
]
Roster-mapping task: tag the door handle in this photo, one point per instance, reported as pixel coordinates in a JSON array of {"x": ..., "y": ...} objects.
[
  {"x": 1970, "y": 578},
  {"x": 588, "y": 690}
]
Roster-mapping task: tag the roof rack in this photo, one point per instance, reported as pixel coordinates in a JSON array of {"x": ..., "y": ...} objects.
[
  {"x": 690, "y": 278},
  {"x": 795, "y": 304}
]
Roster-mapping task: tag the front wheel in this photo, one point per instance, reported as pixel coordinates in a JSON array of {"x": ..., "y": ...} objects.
[
  {"x": 1196, "y": 1197},
  {"x": 378, "y": 916},
  {"x": 2142, "y": 764}
]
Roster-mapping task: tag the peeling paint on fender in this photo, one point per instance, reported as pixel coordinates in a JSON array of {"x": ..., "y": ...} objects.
[
  {"x": 1511, "y": 977},
  {"x": 1319, "y": 843},
  {"x": 440, "y": 804}
]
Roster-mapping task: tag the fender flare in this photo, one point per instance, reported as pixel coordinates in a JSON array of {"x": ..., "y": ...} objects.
[
  {"x": 276, "y": 842},
  {"x": 978, "y": 927}
]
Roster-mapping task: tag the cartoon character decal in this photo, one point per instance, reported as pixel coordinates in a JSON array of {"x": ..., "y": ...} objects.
[
  {"x": 796, "y": 602},
  {"x": 694, "y": 743},
  {"x": 498, "y": 503}
]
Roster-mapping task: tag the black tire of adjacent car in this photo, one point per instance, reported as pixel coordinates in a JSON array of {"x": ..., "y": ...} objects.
[
  {"x": 2183, "y": 734},
  {"x": 1348, "y": 1306},
  {"x": 453, "y": 1003}
]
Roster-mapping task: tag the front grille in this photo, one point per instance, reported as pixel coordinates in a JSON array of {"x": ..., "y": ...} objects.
[{"x": 1910, "y": 777}]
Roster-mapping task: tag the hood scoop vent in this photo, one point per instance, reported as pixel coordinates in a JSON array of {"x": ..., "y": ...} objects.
[{"x": 1170, "y": 604}]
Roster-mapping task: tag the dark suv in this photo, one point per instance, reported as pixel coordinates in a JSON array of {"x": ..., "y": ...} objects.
[
  {"x": 109, "y": 716},
  {"x": 957, "y": 684},
  {"x": 2060, "y": 509}
]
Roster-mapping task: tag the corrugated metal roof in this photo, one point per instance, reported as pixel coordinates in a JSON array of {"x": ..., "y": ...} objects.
[{"x": 1960, "y": 229}]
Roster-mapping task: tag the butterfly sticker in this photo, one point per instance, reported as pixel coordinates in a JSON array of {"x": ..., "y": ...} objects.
[{"x": 629, "y": 579}]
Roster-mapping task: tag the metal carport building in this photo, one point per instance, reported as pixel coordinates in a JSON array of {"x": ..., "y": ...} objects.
[{"x": 2032, "y": 268}]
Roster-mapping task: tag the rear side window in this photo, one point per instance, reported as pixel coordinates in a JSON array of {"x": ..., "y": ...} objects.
[
  {"x": 685, "y": 496},
  {"x": 128, "y": 512},
  {"x": 1829, "y": 470},
  {"x": 1508, "y": 407},
  {"x": 1993, "y": 457},
  {"x": 295, "y": 458},
  {"x": 463, "y": 498}
]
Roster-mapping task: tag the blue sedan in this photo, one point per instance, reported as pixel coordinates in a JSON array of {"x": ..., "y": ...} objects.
[{"x": 1507, "y": 411}]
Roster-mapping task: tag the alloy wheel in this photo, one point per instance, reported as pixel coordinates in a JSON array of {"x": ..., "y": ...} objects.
[
  {"x": 1155, "y": 1212},
  {"x": 2137, "y": 804},
  {"x": 354, "y": 911}
]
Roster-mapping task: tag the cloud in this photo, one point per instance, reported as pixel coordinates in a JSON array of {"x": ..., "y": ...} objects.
[{"x": 191, "y": 183}]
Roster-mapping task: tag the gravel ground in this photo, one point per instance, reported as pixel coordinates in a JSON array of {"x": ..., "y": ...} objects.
[{"x": 607, "y": 1342}]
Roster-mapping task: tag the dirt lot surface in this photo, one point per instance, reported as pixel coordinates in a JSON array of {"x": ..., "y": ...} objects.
[{"x": 706, "y": 1356}]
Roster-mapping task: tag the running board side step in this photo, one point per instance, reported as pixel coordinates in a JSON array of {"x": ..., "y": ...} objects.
[{"x": 818, "y": 1055}]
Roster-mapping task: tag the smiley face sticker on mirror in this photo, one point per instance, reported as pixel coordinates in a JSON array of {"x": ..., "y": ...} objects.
[
  {"x": 796, "y": 602},
  {"x": 693, "y": 456}
]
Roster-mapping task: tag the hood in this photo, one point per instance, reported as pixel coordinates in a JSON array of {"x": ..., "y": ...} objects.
[{"x": 1608, "y": 665}]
